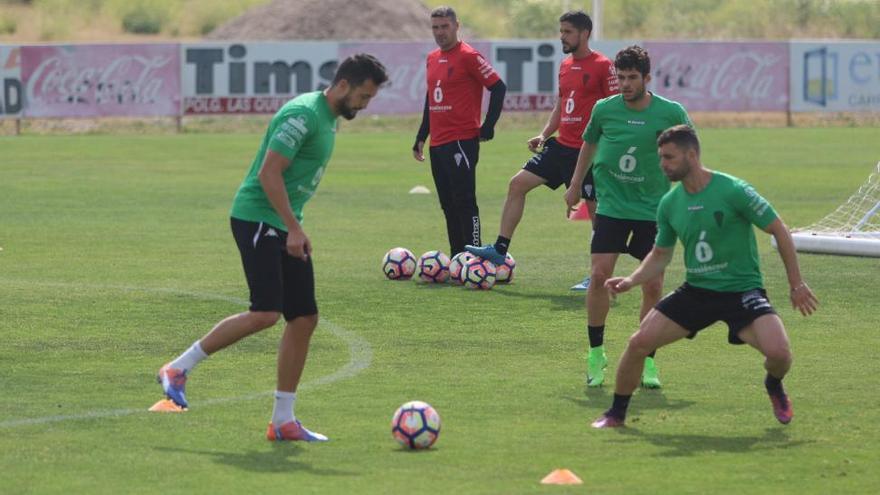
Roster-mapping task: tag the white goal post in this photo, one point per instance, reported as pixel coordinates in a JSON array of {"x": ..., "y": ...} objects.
[{"x": 852, "y": 229}]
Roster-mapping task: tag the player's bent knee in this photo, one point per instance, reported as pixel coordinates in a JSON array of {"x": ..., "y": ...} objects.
[
  {"x": 264, "y": 319},
  {"x": 781, "y": 355},
  {"x": 518, "y": 186},
  {"x": 640, "y": 344},
  {"x": 599, "y": 274}
]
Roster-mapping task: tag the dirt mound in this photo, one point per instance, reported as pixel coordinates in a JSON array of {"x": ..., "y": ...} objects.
[{"x": 330, "y": 20}]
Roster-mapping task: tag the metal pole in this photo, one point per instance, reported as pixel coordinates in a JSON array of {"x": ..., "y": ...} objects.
[{"x": 597, "y": 20}]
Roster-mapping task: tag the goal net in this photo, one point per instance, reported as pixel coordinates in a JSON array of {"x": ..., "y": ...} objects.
[{"x": 852, "y": 229}]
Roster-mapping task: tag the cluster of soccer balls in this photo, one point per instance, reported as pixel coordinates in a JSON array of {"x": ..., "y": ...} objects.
[{"x": 435, "y": 267}]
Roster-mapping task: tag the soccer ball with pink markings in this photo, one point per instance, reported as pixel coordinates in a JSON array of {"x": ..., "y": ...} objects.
[
  {"x": 504, "y": 271},
  {"x": 399, "y": 264},
  {"x": 456, "y": 267},
  {"x": 415, "y": 425},
  {"x": 479, "y": 273},
  {"x": 433, "y": 267}
]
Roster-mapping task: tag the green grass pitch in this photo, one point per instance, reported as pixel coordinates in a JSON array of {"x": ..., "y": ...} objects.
[{"x": 116, "y": 255}]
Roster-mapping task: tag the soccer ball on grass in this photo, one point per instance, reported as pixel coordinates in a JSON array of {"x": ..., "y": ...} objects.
[{"x": 399, "y": 264}]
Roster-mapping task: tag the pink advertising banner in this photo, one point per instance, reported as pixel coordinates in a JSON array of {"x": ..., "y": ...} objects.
[
  {"x": 721, "y": 76},
  {"x": 406, "y": 69},
  {"x": 101, "y": 80}
]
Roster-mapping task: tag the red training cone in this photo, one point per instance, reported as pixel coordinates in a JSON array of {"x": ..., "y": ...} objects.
[
  {"x": 561, "y": 477},
  {"x": 581, "y": 213}
]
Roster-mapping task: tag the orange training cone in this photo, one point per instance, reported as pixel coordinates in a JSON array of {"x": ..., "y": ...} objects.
[
  {"x": 166, "y": 405},
  {"x": 581, "y": 213},
  {"x": 561, "y": 477}
]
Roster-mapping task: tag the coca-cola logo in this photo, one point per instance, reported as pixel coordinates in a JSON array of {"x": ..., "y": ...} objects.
[
  {"x": 123, "y": 80},
  {"x": 742, "y": 75}
]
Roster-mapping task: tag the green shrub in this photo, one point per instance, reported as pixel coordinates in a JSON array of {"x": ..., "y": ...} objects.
[
  {"x": 7, "y": 25},
  {"x": 140, "y": 19}
]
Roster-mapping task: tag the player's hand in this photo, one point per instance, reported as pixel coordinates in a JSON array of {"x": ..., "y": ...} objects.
[
  {"x": 616, "y": 285},
  {"x": 572, "y": 196},
  {"x": 803, "y": 299},
  {"x": 535, "y": 143},
  {"x": 486, "y": 133},
  {"x": 298, "y": 244},
  {"x": 419, "y": 151}
]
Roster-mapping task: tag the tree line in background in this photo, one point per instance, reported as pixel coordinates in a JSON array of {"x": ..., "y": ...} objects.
[{"x": 58, "y": 20}]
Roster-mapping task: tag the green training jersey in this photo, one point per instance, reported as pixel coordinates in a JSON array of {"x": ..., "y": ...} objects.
[
  {"x": 715, "y": 228},
  {"x": 626, "y": 166},
  {"x": 304, "y": 131}
]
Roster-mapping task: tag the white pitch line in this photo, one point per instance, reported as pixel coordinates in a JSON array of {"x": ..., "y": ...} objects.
[{"x": 360, "y": 356}]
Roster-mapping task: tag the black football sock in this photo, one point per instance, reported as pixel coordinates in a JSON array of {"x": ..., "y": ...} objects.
[
  {"x": 774, "y": 385},
  {"x": 502, "y": 244},
  {"x": 652, "y": 354},
  {"x": 619, "y": 406},
  {"x": 596, "y": 334}
]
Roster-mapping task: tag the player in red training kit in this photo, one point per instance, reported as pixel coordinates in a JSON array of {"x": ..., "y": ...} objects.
[
  {"x": 585, "y": 77},
  {"x": 456, "y": 76}
]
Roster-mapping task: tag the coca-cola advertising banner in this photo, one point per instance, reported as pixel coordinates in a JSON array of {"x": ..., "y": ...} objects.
[
  {"x": 253, "y": 77},
  {"x": 101, "y": 80},
  {"x": 11, "y": 94},
  {"x": 835, "y": 76},
  {"x": 257, "y": 78},
  {"x": 721, "y": 76}
]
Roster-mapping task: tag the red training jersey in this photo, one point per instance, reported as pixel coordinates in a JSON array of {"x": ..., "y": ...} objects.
[
  {"x": 456, "y": 79},
  {"x": 582, "y": 82}
]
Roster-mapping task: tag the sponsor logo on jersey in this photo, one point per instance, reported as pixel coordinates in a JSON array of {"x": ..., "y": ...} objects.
[{"x": 635, "y": 122}]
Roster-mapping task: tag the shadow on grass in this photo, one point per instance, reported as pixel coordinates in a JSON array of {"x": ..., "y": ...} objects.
[
  {"x": 687, "y": 445},
  {"x": 559, "y": 302},
  {"x": 599, "y": 399},
  {"x": 278, "y": 459}
]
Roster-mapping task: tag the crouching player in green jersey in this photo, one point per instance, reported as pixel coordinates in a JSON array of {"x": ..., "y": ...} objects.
[
  {"x": 712, "y": 213},
  {"x": 266, "y": 220}
]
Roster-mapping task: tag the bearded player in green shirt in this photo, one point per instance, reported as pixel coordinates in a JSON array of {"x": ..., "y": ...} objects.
[
  {"x": 620, "y": 140},
  {"x": 712, "y": 213},
  {"x": 276, "y": 253}
]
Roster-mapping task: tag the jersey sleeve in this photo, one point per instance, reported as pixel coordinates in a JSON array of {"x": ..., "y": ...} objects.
[
  {"x": 594, "y": 126},
  {"x": 293, "y": 129},
  {"x": 682, "y": 116},
  {"x": 481, "y": 69},
  {"x": 610, "y": 85},
  {"x": 752, "y": 205},
  {"x": 666, "y": 235}
]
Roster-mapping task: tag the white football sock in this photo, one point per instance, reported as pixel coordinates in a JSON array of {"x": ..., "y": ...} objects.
[
  {"x": 189, "y": 359},
  {"x": 284, "y": 402}
]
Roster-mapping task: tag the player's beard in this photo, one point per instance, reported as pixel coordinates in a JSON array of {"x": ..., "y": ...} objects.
[
  {"x": 681, "y": 172},
  {"x": 345, "y": 109},
  {"x": 570, "y": 48},
  {"x": 637, "y": 95}
]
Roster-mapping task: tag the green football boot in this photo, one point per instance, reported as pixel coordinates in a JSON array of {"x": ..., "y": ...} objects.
[
  {"x": 650, "y": 376},
  {"x": 596, "y": 364}
]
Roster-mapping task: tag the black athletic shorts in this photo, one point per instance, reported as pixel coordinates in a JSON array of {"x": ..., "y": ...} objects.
[
  {"x": 277, "y": 281},
  {"x": 614, "y": 235},
  {"x": 695, "y": 308},
  {"x": 555, "y": 163}
]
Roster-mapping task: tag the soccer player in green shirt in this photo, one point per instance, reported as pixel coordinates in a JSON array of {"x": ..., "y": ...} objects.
[
  {"x": 620, "y": 140},
  {"x": 266, "y": 219},
  {"x": 712, "y": 213}
]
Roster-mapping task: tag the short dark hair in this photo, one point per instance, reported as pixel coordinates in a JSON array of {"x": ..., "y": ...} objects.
[
  {"x": 356, "y": 69},
  {"x": 444, "y": 11},
  {"x": 579, "y": 19},
  {"x": 683, "y": 136},
  {"x": 633, "y": 57}
]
